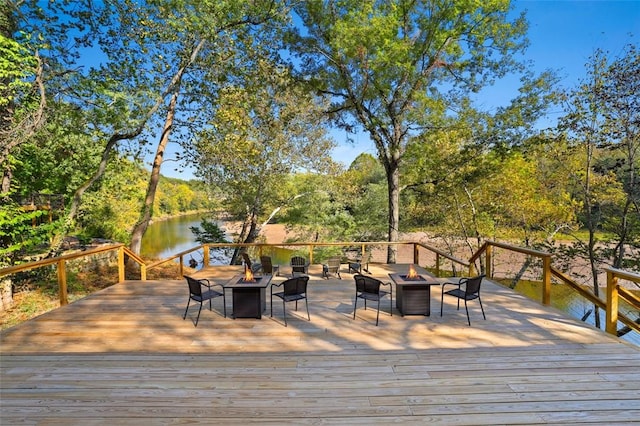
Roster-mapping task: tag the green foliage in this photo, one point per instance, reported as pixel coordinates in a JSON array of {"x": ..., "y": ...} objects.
[
  {"x": 18, "y": 235},
  {"x": 208, "y": 232},
  {"x": 261, "y": 131},
  {"x": 16, "y": 65},
  {"x": 600, "y": 126},
  {"x": 387, "y": 66}
]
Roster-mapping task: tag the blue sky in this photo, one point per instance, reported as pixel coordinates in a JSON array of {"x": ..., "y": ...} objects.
[{"x": 562, "y": 34}]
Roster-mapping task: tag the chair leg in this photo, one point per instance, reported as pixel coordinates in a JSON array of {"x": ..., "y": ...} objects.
[
  {"x": 307, "y": 304},
  {"x": 185, "y": 311},
  {"x": 480, "y": 300},
  {"x": 441, "y": 301},
  {"x": 198, "y": 317},
  {"x": 378, "y": 314},
  {"x": 466, "y": 309},
  {"x": 355, "y": 305},
  {"x": 284, "y": 312},
  {"x": 271, "y": 305}
]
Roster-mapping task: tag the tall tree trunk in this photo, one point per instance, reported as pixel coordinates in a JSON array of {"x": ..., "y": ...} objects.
[
  {"x": 394, "y": 210},
  {"x": 147, "y": 209}
]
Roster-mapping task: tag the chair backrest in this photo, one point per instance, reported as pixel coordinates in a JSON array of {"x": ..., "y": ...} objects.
[
  {"x": 473, "y": 284},
  {"x": 267, "y": 266},
  {"x": 297, "y": 285},
  {"x": 366, "y": 284},
  {"x": 334, "y": 262},
  {"x": 298, "y": 263},
  {"x": 194, "y": 286}
]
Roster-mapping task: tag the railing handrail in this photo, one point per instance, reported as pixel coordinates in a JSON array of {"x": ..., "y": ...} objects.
[
  {"x": 61, "y": 262},
  {"x": 54, "y": 260}
]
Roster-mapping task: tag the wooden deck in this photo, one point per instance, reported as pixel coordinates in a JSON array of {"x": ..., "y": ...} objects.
[{"x": 126, "y": 356}]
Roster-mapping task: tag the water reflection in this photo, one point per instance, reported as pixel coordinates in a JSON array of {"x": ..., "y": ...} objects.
[{"x": 167, "y": 237}]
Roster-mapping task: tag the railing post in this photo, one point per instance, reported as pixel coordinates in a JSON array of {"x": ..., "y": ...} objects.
[
  {"x": 611, "y": 315},
  {"x": 62, "y": 282},
  {"x": 546, "y": 280},
  {"x": 310, "y": 254},
  {"x": 205, "y": 254},
  {"x": 487, "y": 260},
  {"x": 121, "y": 264},
  {"x": 437, "y": 264},
  {"x": 416, "y": 255},
  {"x": 143, "y": 272}
]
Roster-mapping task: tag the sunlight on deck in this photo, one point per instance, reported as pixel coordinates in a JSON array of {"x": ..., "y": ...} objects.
[{"x": 125, "y": 356}]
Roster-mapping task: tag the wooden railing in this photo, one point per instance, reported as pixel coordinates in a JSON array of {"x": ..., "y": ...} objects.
[
  {"x": 487, "y": 250},
  {"x": 61, "y": 266},
  {"x": 614, "y": 294},
  {"x": 614, "y": 291},
  {"x": 363, "y": 247}
]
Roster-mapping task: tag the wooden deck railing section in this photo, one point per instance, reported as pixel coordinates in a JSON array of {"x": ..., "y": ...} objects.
[
  {"x": 611, "y": 305},
  {"x": 614, "y": 294},
  {"x": 61, "y": 266}
]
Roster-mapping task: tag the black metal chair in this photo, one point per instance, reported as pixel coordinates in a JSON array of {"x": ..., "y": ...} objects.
[
  {"x": 196, "y": 293},
  {"x": 331, "y": 267},
  {"x": 255, "y": 267},
  {"x": 299, "y": 265},
  {"x": 368, "y": 288},
  {"x": 268, "y": 267},
  {"x": 294, "y": 289},
  {"x": 471, "y": 291},
  {"x": 361, "y": 264}
]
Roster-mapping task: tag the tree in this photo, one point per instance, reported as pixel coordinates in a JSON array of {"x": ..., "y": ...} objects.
[
  {"x": 263, "y": 128},
  {"x": 182, "y": 49},
  {"x": 601, "y": 124},
  {"x": 182, "y": 42},
  {"x": 22, "y": 94},
  {"x": 619, "y": 94},
  {"x": 384, "y": 65}
]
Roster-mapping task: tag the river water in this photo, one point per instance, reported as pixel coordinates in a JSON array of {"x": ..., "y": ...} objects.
[
  {"x": 168, "y": 237},
  {"x": 165, "y": 238}
]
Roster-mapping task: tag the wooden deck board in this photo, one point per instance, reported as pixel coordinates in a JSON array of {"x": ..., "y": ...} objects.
[{"x": 126, "y": 356}]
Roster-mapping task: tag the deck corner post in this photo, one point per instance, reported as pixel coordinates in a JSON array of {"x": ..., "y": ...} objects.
[
  {"x": 121, "y": 264},
  {"x": 488, "y": 260},
  {"x": 62, "y": 282},
  {"x": 546, "y": 280},
  {"x": 611, "y": 314},
  {"x": 205, "y": 255}
]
